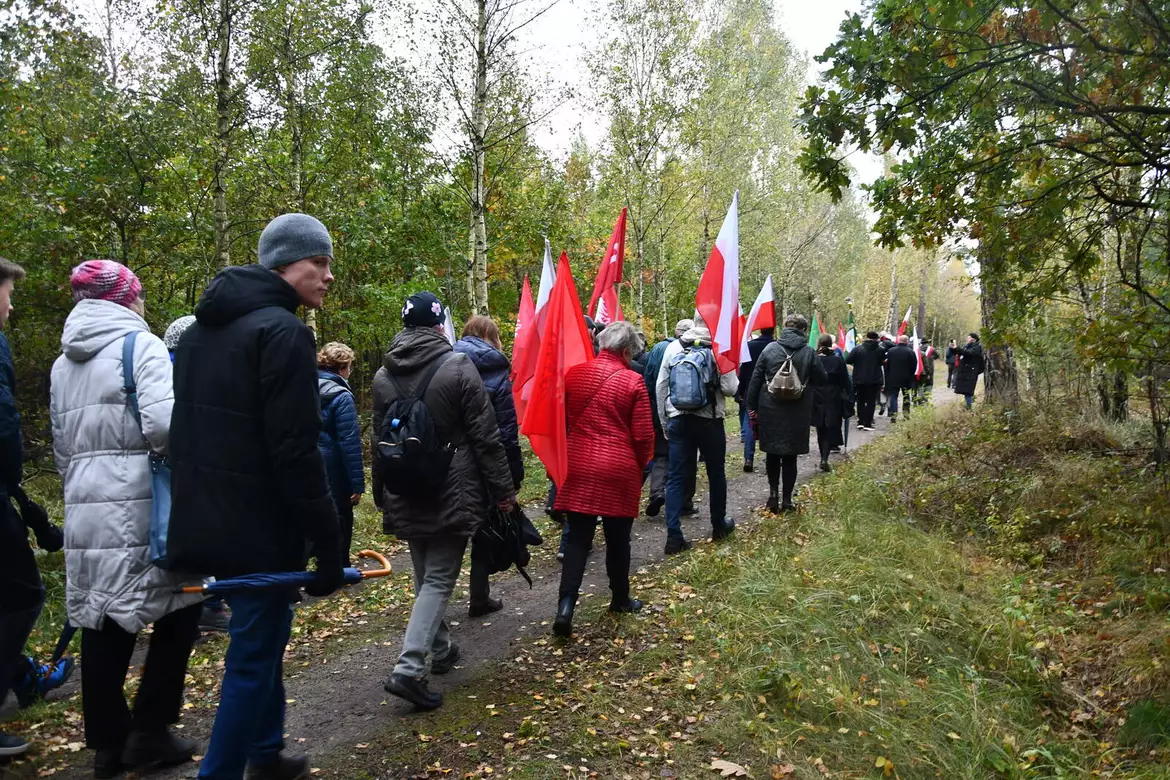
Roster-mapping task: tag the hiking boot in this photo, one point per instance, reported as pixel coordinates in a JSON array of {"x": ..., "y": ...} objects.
[
  {"x": 414, "y": 690},
  {"x": 217, "y": 620},
  {"x": 773, "y": 503},
  {"x": 481, "y": 608},
  {"x": 654, "y": 506},
  {"x": 563, "y": 625},
  {"x": 631, "y": 606},
  {"x": 146, "y": 749},
  {"x": 787, "y": 506},
  {"x": 107, "y": 763},
  {"x": 447, "y": 662},
  {"x": 825, "y": 466},
  {"x": 723, "y": 530},
  {"x": 748, "y": 467},
  {"x": 280, "y": 768},
  {"x": 11, "y": 745},
  {"x": 676, "y": 545}
]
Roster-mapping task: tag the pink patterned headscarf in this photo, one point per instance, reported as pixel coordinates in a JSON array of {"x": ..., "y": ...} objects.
[{"x": 105, "y": 280}]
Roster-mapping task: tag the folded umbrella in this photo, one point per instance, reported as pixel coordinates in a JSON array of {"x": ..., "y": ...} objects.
[{"x": 286, "y": 579}]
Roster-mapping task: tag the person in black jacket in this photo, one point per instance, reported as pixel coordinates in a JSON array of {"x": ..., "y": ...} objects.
[
  {"x": 901, "y": 371},
  {"x": 829, "y": 399},
  {"x": 971, "y": 365},
  {"x": 866, "y": 359},
  {"x": 21, "y": 593},
  {"x": 481, "y": 343},
  {"x": 755, "y": 347},
  {"x": 952, "y": 357},
  {"x": 249, "y": 487},
  {"x": 340, "y": 440}
]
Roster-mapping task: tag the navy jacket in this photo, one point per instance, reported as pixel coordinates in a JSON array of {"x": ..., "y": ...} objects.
[
  {"x": 11, "y": 446},
  {"x": 755, "y": 347},
  {"x": 340, "y": 440},
  {"x": 494, "y": 369}
]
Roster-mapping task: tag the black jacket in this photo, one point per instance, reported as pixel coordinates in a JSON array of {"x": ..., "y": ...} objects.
[
  {"x": 755, "y": 348},
  {"x": 11, "y": 446},
  {"x": 831, "y": 398},
  {"x": 971, "y": 365},
  {"x": 866, "y": 359},
  {"x": 249, "y": 489},
  {"x": 494, "y": 370},
  {"x": 783, "y": 426},
  {"x": 901, "y": 367}
]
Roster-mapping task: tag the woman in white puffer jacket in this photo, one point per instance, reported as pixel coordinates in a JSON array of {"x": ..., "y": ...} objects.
[{"x": 112, "y": 590}]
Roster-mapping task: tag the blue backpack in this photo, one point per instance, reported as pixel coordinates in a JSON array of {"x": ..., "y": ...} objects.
[
  {"x": 160, "y": 467},
  {"x": 692, "y": 378}
]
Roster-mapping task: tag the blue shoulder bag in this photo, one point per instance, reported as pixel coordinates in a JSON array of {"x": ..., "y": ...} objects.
[{"x": 160, "y": 467}]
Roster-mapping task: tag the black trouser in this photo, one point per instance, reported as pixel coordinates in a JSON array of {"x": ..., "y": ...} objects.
[
  {"x": 617, "y": 554},
  {"x": 826, "y": 440},
  {"x": 21, "y": 595},
  {"x": 105, "y": 658},
  {"x": 950, "y": 376},
  {"x": 867, "y": 396},
  {"x": 480, "y": 589},
  {"x": 776, "y": 464},
  {"x": 345, "y": 525}
]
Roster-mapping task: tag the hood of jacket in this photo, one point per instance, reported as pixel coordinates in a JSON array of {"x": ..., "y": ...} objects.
[
  {"x": 485, "y": 356},
  {"x": 701, "y": 336},
  {"x": 414, "y": 348},
  {"x": 792, "y": 339},
  {"x": 93, "y": 325},
  {"x": 242, "y": 290}
]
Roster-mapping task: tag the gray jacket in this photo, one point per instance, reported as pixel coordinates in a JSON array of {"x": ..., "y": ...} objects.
[
  {"x": 728, "y": 383},
  {"x": 101, "y": 454}
]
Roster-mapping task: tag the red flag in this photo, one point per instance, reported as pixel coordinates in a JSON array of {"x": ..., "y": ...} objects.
[
  {"x": 717, "y": 299},
  {"x": 564, "y": 344},
  {"x": 524, "y": 353},
  {"x": 916, "y": 344},
  {"x": 603, "y": 305},
  {"x": 840, "y": 337},
  {"x": 524, "y": 321},
  {"x": 905, "y": 322}
]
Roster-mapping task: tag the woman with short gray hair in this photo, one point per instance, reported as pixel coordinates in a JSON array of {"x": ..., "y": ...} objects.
[
  {"x": 797, "y": 322},
  {"x": 611, "y": 439}
]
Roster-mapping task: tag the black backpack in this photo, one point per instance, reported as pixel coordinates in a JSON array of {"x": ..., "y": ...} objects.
[
  {"x": 503, "y": 541},
  {"x": 409, "y": 457}
]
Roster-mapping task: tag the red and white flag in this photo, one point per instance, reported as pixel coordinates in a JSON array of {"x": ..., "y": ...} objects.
[
  {"x": 905, "y": 322},
  {"x": 564, "y": 344},
  {"x": 916, "y": 344},
  {"x": 604, "y": 307},
  {"x": 840, "y": 337},
  {"x": 717, "y": 299},
  {"x": 762, "y": 315},
  {"x": 524, "y": 353}
]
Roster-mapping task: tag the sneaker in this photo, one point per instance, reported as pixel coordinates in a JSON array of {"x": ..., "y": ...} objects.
[
  {"x": 216, "y": 620},
  {"x": 414, "y": 691},
  {"x": 654, "y": 506},
  {"x": 481, "y": 608},
  {"x": 676, "y": 545},
  {"x": 280, "y": 768},
  {"x": 722, "y": 531},
  {"x": 631, "y": 606},
  {"x": 447, "y": 662},
  {"x": 146, "y": 749},
  {"x": 11, "y": 745}
]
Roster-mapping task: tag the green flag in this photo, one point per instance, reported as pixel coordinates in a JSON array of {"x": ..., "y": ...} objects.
[{"x": 814, "y": 331}]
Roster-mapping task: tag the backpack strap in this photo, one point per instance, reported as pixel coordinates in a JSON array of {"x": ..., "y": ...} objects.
[{"x": 128, "y": 374}]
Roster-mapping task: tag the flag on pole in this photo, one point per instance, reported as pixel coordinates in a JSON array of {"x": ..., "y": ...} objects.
[
  {"x": 762, "y": 315},
  {"x": 717, "y": 299},
  {"x": 905, "y": 322},
  {"x": 916, "y": 344},
  {"x": 814, "y": 331},
  {"x": 851, "y": 334},
  {"x": 603, "y": 305},
  {"x": 529, "y": 349},
  {"x": 840, "y": 337},
  {"x": 564, "y": 344},
  {"x": 448, "y": 325},
  {"x": 525, "y": 319}
]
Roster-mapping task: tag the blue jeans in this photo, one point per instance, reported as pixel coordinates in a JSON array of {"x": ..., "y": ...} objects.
[
  {"x": 690, "y": 436},
  {"x": 746, "y": 433},
  {"x": 970, "y": 399},
  {"x": 249, "y": 723}
]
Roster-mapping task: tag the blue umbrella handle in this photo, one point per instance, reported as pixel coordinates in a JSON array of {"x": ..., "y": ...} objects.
[{"x": 350, "y": 576}]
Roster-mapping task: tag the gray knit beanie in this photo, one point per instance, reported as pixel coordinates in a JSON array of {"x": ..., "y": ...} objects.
[{"x": 293, "y": 237}]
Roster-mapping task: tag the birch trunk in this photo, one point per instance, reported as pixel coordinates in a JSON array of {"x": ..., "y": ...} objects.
[
  {"x": 893, "y": 318},
  {"x": 223, "y": 125},
  {"x": 477, "y": 287}
]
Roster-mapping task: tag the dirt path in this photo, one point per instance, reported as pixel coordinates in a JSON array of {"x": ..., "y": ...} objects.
[{"x": 340, "y": 703}]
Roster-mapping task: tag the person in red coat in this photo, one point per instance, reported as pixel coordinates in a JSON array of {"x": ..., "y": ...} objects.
[{"x": 611, "y": 439}]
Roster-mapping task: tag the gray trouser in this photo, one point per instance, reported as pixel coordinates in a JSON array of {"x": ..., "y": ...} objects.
[
  {"x": 436, "y": 568},
  {"x": 658, "y": 476}
]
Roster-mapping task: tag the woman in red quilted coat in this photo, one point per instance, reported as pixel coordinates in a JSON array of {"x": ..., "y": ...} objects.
[{"x": 611, "y": 439}]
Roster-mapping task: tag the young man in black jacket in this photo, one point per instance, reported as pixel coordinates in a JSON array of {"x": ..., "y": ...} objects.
[
  {"x": 21, "y": 593},
  {"x": 866, "y": 359},
  {"x": 250, "y": 493}
]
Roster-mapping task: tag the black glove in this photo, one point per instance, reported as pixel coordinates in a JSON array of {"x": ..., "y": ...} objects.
[
  {"x": 329, "y": 575},
  {"x": 50, "y": 538}
]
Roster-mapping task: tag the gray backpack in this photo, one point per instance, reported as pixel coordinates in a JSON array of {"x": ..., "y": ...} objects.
[{"x": 785, "y": 384}]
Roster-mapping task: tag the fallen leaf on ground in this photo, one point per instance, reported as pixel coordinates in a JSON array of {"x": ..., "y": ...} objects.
[{"x": 727, "y": 768}]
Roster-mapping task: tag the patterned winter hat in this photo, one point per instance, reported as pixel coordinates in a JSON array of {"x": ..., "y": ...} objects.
[
  {"x": 105, "y": 280},
  {"x": 422, "y": 310},
  {"x": 176, "y": 330}
]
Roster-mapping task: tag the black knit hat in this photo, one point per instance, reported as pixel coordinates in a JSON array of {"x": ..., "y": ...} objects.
[{"x": 422, "y": 310}]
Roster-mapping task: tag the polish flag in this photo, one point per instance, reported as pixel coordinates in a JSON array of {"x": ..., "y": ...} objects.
[
  {"x": 905, "y": 322},
  {"x": 564, "y": 344},
  {"x": 916, "y": 344},
  {"x": 529, "y": 348},
  {"x": 840, "y": 337},
  {"x": 717, "y": 299},
  {"x": 604, "y": 307},
  {"x": 762, "y": 315}
]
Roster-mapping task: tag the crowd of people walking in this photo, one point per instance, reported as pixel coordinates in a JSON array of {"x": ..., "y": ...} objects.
[{"x": 259, "y": 432}]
